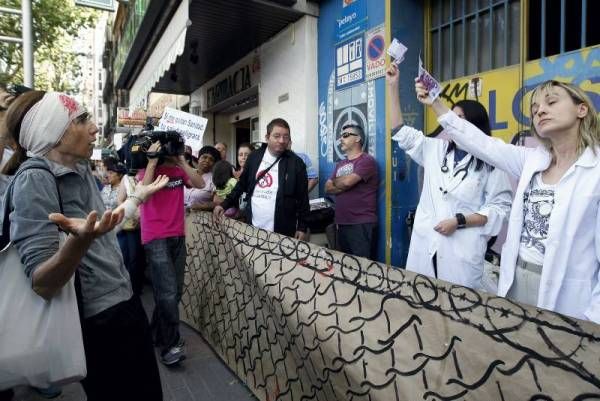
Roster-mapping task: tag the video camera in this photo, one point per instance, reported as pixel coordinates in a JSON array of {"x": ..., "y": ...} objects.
[{"x": 171, "y": 144}]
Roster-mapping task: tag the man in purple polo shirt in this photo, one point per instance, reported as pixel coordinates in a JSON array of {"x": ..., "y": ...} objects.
[{"x": 354, "y": 182}]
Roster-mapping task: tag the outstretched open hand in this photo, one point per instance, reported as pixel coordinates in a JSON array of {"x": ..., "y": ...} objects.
[{"x": 88, "y": 228}]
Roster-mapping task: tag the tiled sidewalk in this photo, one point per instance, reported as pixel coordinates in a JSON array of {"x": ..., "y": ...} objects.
[{"x": 201, "y": 377}]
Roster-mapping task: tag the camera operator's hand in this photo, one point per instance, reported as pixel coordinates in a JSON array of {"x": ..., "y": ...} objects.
[{"x": 152, "y": 152}]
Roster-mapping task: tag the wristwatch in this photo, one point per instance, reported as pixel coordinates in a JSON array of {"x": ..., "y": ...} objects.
[{"x": 462, "y": 221}]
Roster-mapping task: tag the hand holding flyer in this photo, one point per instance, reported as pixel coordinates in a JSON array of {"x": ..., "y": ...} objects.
[
  {"x": 397, "y": 51},
  {"x": 431, "y": 84}
]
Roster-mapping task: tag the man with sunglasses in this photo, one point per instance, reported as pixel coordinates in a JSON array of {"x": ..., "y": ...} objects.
[{"x": 354, "y": 181}]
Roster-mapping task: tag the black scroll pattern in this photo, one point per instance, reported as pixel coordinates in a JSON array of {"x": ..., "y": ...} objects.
[{"x": 299, "y": 322}]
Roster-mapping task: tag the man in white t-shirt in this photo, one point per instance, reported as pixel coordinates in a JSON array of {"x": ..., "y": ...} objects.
[{"x": 276, "y": 184}]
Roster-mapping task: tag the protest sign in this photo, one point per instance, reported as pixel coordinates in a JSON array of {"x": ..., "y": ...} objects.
[{"x": 190, "y": 126}]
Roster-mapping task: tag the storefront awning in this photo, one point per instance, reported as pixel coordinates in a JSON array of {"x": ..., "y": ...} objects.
[
  {"x": 165, "y": 53},
  {"x": 223, "y": 32}
]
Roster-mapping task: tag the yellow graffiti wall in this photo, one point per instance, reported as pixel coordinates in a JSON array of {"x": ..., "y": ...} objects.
[{"x": 506, "y": 96}]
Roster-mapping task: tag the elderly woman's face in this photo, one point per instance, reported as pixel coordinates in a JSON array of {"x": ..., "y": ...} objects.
[
  {"x": 206, "y": 162},
  {"x": 78, "y": 141}
]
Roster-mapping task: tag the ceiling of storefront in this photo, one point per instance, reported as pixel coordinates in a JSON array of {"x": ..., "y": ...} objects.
[{"x": 221, "y": 33}]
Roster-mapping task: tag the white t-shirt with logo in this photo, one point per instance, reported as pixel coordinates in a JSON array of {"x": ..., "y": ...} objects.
[
  {"x": 265, "y": 194},
  {"x": 538, "y": 202}
]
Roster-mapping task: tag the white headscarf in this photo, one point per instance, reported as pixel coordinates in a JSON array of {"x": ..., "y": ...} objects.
[{"x": 47, "y": 121}]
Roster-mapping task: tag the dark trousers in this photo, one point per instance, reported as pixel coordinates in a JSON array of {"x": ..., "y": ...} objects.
[
  {"x": 166, "y": 259},
  {"x": 130, "y": 242},
  {"x": 121, "y": 364},
  {"x": 358, "y": 239}
]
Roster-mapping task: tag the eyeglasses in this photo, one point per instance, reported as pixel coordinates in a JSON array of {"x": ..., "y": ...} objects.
[
  {"x": 347, "y": 134},
  {"x": 285, "y": 138}
]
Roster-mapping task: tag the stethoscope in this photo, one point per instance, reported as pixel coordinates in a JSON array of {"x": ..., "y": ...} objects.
[{"x": 464, "y": 170}]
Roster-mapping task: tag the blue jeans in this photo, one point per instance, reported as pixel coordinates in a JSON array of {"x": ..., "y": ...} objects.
[{"x": 166, "y": 259}]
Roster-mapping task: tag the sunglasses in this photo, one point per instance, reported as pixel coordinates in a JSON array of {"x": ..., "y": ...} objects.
[{"x": 347, "y": 134}]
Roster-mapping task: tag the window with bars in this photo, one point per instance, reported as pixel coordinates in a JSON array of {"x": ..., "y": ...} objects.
[
  {"x": 559, "y": 26},
  {"x": 471, "y": 36}
]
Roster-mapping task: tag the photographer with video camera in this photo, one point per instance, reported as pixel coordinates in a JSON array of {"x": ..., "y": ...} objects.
[{"x": 162, "y": 220}]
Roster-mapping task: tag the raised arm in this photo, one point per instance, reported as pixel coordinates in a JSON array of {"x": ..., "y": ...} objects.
[
  {"x": 195, "y": 177},
  {"x": 392, "y": 78},
  {"x": 468, "y": 137},
  {"x": 409, "y": 139}
]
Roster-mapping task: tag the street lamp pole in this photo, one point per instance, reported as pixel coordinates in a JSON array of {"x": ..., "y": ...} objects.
[{"x": 27, "y": 26}]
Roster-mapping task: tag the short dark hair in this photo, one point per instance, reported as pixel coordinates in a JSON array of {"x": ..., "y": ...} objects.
[
  {"x": 210, "y": 150},
  {"x": 361, "y": 131},
  {"x": 279, "y": 122}
]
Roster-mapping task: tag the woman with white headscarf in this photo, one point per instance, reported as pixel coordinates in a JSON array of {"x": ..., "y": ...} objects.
[{"x": 55, "y": 137}]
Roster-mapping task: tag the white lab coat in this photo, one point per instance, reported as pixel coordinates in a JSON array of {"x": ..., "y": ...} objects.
[
  {"x": 461, "y": 255},
  {"x": 570, "y": 275}
]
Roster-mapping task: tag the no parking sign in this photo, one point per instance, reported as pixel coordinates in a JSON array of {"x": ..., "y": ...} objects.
[{"x": 375, "y": 50}]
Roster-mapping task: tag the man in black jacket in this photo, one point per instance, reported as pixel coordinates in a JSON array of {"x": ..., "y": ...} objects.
[{"x": 275, "y": 182}]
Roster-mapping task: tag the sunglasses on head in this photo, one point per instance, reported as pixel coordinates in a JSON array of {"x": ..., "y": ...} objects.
[{"x": 347, "y": 134}]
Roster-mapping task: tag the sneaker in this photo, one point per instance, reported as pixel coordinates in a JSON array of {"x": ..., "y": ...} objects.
[{"x": 173, "y": 355}]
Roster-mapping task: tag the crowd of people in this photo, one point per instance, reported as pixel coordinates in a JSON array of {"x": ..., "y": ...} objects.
[{"x": 122, "y": 221}]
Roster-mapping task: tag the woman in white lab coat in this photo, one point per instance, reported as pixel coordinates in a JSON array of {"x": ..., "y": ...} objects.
[
  {"x": 463, "y": 203},
  {"x": 551, "y": 257}
]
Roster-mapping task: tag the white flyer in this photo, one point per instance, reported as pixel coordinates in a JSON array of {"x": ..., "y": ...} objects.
[{"x": 397, "y": 51}]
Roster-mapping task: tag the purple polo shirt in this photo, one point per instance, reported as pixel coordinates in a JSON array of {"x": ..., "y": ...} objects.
[{"x": 358, "y": 205}]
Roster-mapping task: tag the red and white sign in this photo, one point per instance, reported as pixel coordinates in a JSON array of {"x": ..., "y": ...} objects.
[{"x": 375, "y": 50}]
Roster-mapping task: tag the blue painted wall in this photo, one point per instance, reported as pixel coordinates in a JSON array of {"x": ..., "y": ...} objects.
[
  {"x": 369, "y": 14},
  {"x": 337, "y": 25},
  {"x": 407, "y": 26}
]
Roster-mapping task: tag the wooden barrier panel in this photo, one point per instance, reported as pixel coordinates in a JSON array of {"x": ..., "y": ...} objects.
[{"x": 296, "y": 321}]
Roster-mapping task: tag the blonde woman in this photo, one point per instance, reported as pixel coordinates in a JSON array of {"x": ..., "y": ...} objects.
[{"x": 552, "y": 250}]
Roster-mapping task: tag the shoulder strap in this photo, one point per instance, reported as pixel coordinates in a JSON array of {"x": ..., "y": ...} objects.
[
  {"x": 261, "y": 175},
  {"x": 5, "y": 239}
]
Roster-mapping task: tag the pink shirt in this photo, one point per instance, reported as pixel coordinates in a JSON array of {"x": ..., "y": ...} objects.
[{"x": 162, "y": 215}]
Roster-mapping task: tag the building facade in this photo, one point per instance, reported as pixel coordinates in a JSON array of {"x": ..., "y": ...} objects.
[{"x": 319, "y": 64}]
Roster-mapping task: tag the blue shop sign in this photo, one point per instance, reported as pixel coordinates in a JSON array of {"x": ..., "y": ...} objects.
[{"x": 353, "y": 19}]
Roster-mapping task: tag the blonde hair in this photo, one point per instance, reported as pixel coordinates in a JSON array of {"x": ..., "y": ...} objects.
[{"x": 589, "y": 129}]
